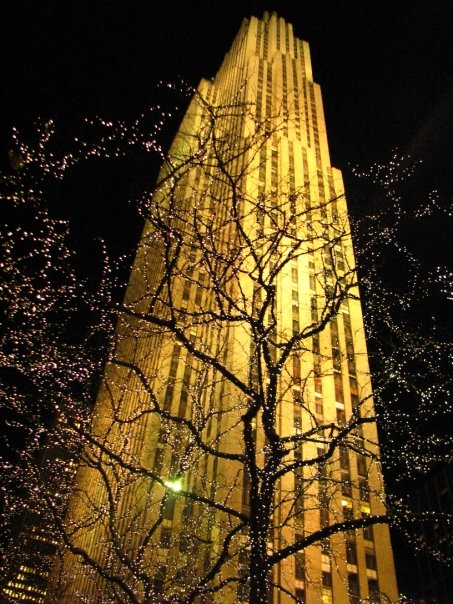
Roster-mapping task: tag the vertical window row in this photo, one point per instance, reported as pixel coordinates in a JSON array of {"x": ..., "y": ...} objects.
[
  {"x": 349, "y": 343},
  {"x": 273, "y": 212},
  {"x": 266, "y": 41},
  {"x": 268, "y": 92},
  {"x": 345, "y": 472},
  {"x": 306, "y": 180},
  {"x": 297, "y": 406},
  {"x": 296, "y": 50},
  {"x": 307, "y": 120},
  {"x": 336, "y": 361},
  {"x": 302, "y": 58},
  {"x": 321, "y": 194},
  {"x": 350, "y": 358},
  {"x": 259, "y": 92},
  {"x": 292, "y": 189},
  {"x": 296, "y": 371},
  {"x": 317, "y": 377},
  {"x": 182, "y": 411},
  {"x": 295, "y": 298},
  {"x": 258, "y": 38},
  {"x": 335, "y": 343},
  {"x": 262, "y": 170},
  {"x": 274, "y": 170},
  {"x": 285, "y": 96},
  {"x": 332, "y": 197},
  {"x": 299, "y": 491},
  {"x": 296, "y": 99},
  {"x": 315, "y": 124},
  {"x": 323, "y": 493}
]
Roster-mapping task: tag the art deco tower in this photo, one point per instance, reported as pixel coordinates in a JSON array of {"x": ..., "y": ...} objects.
[{"x": 234, "y": 454}]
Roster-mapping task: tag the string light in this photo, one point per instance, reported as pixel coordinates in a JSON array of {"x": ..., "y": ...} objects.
[{"x": 44, "y": 296}]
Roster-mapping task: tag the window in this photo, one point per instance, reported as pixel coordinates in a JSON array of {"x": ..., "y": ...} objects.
[
  {"x": 314, "y": 310},
  {"x": 184, "y": 544},
  {"x": 361, "y": 465},
  {"x": 165, "y": 536},
  {"x": 370, "y": 559},
  {"x": 243, "y": 586},
  {"x": 318, "y": 383},
  {"x": 327, "y": 580},
  {"x": 169, "y": 394},
  {"x": 186, "y": 292},
  {"x": 299, "y": 566},
  {"x": 246, "y": 488},
  {"x": 158, "y": 458},
  {"x": 341, "y": 417},
  {"x": 296, "y": 370},
  {"x": 344, "y": 458},
  {"x": 367, "y": 530},
  {"x": 364, "y": 489},
  {"x": 338, "y": 387},
  {"x": 325, "y": 547},
  {"x": 163, "y": 434},
  {"x": 323, "y": 517},
  {"x": 159, "y": 579},
  {"x": 336, "y": 359},
  {"x": 346, "y": 488},
  {"x": 319, "y": 407},
  {"x": 354, "y": 589},
  {"x": 326, "y": 588},
  {"x": 351, "y": 551},
  {"x": 169, "y": 506},
  {"x": 297, "y": 397},
  {"x": 373, "y": 590},
  {"x": 183, "y": 402},
  {"x": 315, "y": 343}
]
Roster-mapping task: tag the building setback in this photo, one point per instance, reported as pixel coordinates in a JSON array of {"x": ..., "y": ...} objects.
[{"x": 233, "y": 432}]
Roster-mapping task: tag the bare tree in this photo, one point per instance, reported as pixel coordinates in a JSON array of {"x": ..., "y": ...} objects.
[{"x": 233, "y": 447}]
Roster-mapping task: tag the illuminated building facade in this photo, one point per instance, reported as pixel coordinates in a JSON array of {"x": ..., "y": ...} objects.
[
  {"x": 33, "y": 547},
  {"x": 240, "y": 357}
]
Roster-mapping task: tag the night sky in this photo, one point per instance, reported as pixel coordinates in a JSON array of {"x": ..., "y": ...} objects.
[{"x": 385, "y": 68}]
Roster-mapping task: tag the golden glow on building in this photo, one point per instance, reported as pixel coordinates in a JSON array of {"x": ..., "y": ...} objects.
[{"x": 247, "y": 270}]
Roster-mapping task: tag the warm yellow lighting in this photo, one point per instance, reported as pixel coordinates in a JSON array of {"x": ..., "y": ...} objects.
[{"x": 174, "y": 485}]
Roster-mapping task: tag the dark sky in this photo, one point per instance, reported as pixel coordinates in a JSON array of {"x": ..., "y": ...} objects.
[
  {"x": 386, "y": 71},
  {"x": 386, "y": 68}
]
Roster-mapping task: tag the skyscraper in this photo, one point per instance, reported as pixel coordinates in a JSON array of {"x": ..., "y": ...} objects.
[{"x": 234, "y": 455}]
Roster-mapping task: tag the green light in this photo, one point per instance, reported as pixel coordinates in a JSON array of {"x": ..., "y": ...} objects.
[{"x": 174, "y": 485}]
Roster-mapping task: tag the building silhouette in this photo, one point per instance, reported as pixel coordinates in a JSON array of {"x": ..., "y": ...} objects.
[
  {"x": 238, "y": 390},
  {"x": 435, "y": 576},
  {"x": 34, "y": 544}
]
